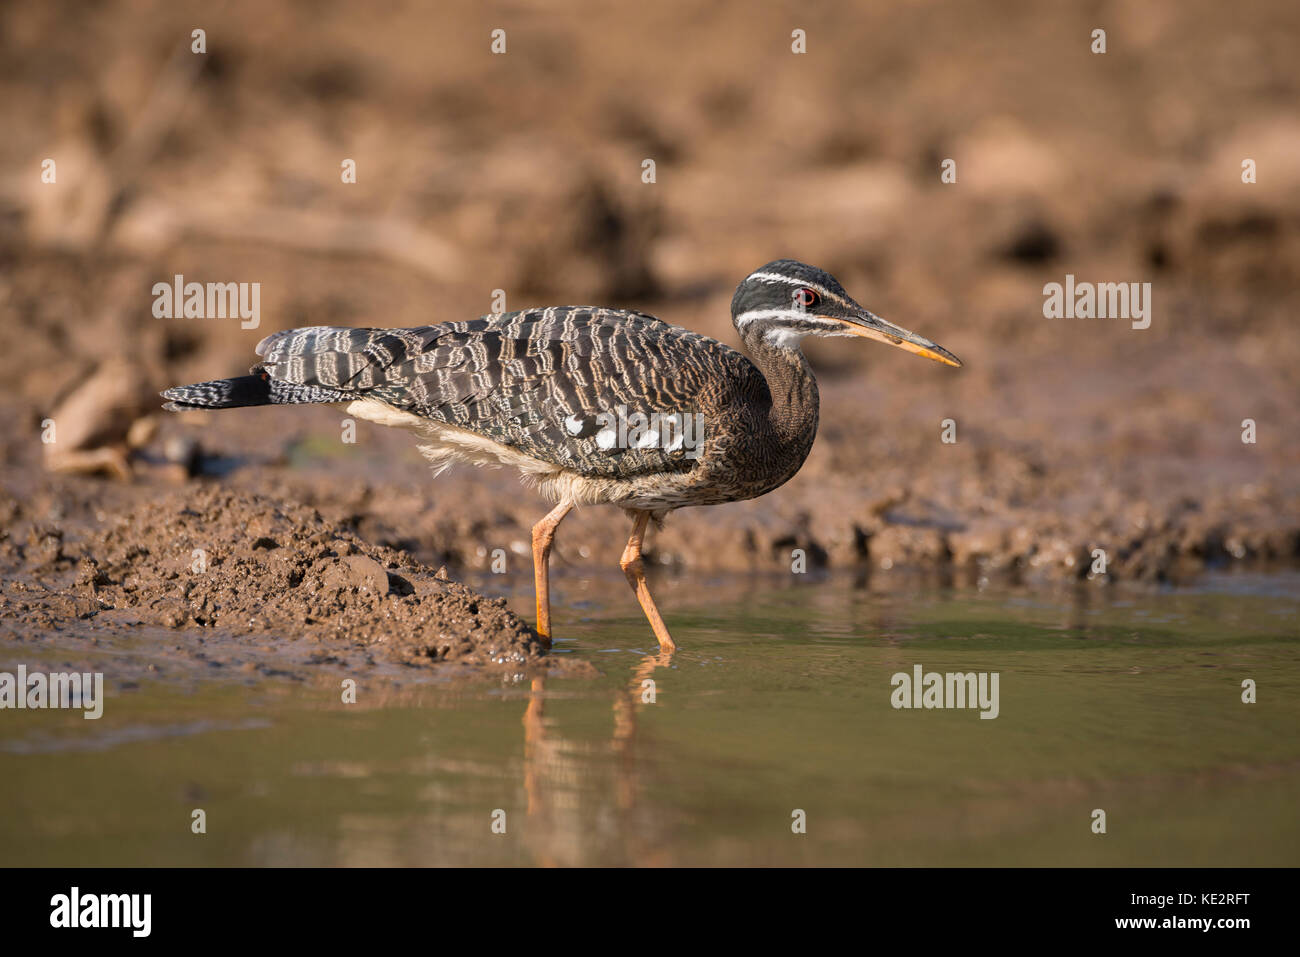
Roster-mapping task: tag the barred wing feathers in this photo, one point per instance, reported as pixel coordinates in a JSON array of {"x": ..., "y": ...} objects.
[{"x": 535, "y": 380}]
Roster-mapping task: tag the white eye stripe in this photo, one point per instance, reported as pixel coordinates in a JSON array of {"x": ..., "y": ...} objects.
[
  {"x": 777, "y": 277},
  {"x": 756, "y": 314},
  {"x": 792, "y": 314},
  {"x": 799, "y": 283}
]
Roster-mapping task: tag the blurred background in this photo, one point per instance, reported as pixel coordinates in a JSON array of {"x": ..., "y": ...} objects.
[{"x": 522, "y": 172}]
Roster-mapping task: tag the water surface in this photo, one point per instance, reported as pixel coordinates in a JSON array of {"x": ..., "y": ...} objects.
[{"x": 779, "y": 702}]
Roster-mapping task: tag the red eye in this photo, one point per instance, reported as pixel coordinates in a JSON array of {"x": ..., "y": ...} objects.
[{"x": 805, "y": 298}]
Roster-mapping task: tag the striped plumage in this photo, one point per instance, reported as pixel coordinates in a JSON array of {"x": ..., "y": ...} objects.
[{"x": 536, "y": 390}]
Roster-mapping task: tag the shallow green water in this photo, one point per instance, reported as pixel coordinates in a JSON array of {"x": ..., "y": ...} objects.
[{"x": 781, "y": 700}]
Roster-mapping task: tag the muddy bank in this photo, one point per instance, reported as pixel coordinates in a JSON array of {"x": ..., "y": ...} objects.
[
  {"x": 1072, "y": 436},
  {"x": 870, "y": 500},
  {"x": 1021, "y": 511},
  {"x": 220, "y": 568}
]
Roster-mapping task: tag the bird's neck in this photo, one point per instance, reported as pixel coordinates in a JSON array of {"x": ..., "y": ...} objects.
[{"x": 793, "y": 414}]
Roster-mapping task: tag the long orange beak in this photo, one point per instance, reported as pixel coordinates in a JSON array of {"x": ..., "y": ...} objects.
[{"x": 870, "y": 326}]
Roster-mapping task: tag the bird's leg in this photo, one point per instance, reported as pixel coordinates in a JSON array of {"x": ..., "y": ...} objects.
[
  {"x": 634, "y": 569},
  {"x": 543, "y": 536}
]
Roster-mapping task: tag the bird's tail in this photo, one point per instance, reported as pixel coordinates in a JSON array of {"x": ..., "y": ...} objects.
[{"x": 247, "y": 390}]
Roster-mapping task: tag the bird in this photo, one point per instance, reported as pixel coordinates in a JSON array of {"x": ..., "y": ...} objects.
[{"x": 590, "y": 405}]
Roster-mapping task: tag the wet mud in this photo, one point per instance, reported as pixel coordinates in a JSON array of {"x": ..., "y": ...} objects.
[{"x": 222, "y": 569}]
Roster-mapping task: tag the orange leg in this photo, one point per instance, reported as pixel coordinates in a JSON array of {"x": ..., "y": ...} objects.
[
  {"x": 543, "y": 536},
  {"x": 634, "y": 569}
]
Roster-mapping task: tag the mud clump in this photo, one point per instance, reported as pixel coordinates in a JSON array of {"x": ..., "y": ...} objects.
[{"x": 250, "y": 565}]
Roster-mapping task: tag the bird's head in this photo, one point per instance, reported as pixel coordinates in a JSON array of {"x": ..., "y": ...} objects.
[{"x": 780, "y": 303}]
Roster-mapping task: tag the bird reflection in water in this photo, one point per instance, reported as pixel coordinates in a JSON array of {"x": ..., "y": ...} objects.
[{"x": 562, "y": 830}]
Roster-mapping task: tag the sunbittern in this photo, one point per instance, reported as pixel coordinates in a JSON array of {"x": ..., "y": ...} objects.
[{"x": 594, "y": 406}]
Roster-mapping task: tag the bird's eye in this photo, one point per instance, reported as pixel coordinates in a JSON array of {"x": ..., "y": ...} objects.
[{"x": 804, "y": 298}]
